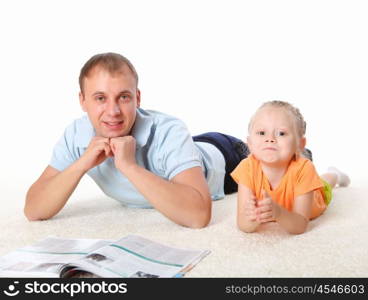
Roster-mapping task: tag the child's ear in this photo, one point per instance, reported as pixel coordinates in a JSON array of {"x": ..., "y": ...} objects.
[
  {"x": 249, "y": 143},
  {"x": 302, "y": 143}
]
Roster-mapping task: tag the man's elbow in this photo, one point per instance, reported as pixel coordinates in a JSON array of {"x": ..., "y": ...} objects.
[
  {"x": 200, "y": 222},
  {"x": 31, "y": 216},
  {"x": 202, "y": 218},
  {"x": 32, "y": 219},
  {"x": 27, "y": 210}
]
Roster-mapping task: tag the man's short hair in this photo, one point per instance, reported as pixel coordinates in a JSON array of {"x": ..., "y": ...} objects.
[{"x": 111, "y": 62}]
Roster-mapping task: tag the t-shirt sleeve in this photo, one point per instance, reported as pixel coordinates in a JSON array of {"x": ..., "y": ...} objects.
[
  {"x": 63, "y": 154},
  {"x": 176, "y": 150},
  {"x": 242, "y": 173},
  {"x": 307, "y": 179}
]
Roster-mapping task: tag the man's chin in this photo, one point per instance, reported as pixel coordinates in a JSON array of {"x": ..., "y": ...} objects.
[{"x": 111, "y": 135}]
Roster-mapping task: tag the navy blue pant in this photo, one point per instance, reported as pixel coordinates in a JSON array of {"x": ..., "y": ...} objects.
[{"x": 233, "y": 150}]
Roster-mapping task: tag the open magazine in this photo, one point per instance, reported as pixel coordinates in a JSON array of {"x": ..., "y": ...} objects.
[{"x": 131, "y": 256}]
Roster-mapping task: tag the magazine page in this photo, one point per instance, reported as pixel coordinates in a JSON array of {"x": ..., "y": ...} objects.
[
  {"x": 46, "y": 257},
  {"x": 134, "y": 256}
]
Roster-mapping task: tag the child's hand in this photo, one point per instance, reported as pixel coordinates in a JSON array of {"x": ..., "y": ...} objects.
[
  {"x": 251, "y": 209},
  {"x": 267, "y": 210}
]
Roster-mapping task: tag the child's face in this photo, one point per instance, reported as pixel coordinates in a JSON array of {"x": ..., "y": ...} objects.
[{"x": 273, "y": 138}]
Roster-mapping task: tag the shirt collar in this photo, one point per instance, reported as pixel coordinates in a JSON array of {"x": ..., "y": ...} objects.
[
  {"x": 141, "y": 130},
  {"x": 84, "y": 133},
  {"x": 142, "y": 127}
]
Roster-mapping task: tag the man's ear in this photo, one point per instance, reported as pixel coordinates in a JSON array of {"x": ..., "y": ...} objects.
[
  {"x": 138, "y": 98},
  {"x": 82, "y": 101}
]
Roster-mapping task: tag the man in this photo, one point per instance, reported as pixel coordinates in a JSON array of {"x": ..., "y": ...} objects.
[{"x": 138, "y": 157}]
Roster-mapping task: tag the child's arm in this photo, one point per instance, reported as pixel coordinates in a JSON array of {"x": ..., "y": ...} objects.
[
  {"x": 246, "y": 214},
  {"x": 295, "y": 221}
]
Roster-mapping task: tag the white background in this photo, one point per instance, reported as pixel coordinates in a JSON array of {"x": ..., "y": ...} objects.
[{"x": 210, "y": 63}]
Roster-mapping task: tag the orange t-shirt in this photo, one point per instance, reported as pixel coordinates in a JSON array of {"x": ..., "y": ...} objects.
[{"x": 300, "y": 178}]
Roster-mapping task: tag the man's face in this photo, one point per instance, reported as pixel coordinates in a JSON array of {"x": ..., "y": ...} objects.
[{"x": 110, "y": 100}]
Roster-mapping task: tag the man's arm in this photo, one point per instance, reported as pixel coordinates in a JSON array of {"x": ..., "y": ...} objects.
[
  {"x": 48, "y": 195},
  {"x": 185, "y": 199}
]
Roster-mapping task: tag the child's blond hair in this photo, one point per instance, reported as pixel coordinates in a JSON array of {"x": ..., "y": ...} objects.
[{"x": 301, "y": 125}]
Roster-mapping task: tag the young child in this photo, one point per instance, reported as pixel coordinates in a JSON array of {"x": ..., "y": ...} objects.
[{"x": 276, "y": 183}]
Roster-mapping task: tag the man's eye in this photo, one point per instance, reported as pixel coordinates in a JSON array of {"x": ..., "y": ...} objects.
[
  {"x": 100, "y": 98},
  {"x": 124, "y": 97}
]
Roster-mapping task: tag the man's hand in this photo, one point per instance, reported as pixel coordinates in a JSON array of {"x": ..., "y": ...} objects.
[
  {"x": 98, "y": 150},
  {"x": 123, "y": 149},
  {"x": 267, "y": 209}
]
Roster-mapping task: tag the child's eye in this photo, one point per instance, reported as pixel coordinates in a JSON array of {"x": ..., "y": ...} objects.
[
  {"x": 261, "y": 132},
  {"x": 281, "y": 133}
]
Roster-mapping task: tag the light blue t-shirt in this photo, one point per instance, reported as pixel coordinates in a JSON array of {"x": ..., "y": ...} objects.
[{"x": 164, "y": 146}]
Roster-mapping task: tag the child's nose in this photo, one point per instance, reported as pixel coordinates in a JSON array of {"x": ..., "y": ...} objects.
[{"x": 270, "y": 138}]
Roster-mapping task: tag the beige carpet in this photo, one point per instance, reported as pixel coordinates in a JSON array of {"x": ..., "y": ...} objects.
[{"x": 335, "y": 245}]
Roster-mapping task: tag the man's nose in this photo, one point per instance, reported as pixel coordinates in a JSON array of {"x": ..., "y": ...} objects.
[{"x": 113, "y": 108}]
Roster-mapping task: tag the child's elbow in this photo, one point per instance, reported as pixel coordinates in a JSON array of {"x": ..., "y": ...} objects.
[
  {"x": 299, "y": 229},
  {"x": 247, "y": 228},
  {"x": 296, "y": 232}
]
